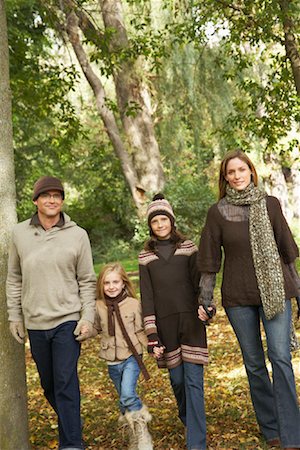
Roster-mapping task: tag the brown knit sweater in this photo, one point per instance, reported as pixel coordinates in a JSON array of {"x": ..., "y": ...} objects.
[{"x": 239, "y": 285}]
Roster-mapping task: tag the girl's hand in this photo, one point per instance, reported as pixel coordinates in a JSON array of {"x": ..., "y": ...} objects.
[
  {"x": 202, "y": 314},
  {"x": 158, "y": 352}
]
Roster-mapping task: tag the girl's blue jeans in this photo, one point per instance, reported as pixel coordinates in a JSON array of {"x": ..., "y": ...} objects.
[
  {"x": 275, "y": 402},
  {"x": 187, "y": 384},
  {"x": 125, "y": 376}
]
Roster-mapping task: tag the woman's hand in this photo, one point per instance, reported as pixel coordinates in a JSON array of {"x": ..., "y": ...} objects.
[{"x": 203, "y": 315}]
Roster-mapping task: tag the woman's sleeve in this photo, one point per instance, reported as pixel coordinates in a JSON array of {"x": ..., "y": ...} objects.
[
  {"x": 286, "y": 244},
  {"x": 206, "y": 286},
  {"x": 294, "y": 275},
  {"x": 210, "y": 254}
]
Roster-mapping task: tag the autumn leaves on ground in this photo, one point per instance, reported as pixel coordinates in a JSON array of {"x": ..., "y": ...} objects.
[{"x": 230, "y": 418}]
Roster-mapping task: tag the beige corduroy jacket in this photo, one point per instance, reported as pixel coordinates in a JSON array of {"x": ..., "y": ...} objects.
[{"x": 115, "y": 348}]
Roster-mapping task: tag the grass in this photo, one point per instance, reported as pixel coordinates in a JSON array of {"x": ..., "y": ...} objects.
[{"x": 130, "y": 265}]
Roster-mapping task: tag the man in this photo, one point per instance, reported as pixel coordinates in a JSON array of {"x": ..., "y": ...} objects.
[{"x": 51, "y": 286}]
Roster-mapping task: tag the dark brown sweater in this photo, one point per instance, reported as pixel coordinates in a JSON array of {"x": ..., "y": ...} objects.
[
  {"x": 239, "y": 285},
  {"x": 169, "y": 285}
]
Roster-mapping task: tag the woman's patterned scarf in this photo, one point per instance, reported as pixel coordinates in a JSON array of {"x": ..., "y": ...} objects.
[{"x": 265, "y": 254}]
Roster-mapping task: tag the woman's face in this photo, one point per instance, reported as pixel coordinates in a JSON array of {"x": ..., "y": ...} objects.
[
  {"x": 161, "y": 227},
  {"x": 238, "y": 174},
  {"x": 113, "y": 284}
]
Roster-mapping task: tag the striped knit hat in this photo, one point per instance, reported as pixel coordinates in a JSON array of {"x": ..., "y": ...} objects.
[{"x": 160, "y": 206}]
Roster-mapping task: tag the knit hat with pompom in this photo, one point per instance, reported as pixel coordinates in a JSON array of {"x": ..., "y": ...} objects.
[{"x": 160, "y": 206}]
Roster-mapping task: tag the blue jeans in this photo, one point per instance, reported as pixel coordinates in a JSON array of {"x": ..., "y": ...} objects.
[
  {"x": 125, "y": 376},
  {"x": 275, "y": 403},
  {"x": 56, "y": 354},
  {"x": 187, "y": 384}
]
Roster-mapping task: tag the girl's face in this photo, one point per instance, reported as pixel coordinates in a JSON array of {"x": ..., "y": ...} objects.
[
  {"x": 161, "y": 227},
  {"x": 113, "y": 284},
  {"x": 238, "y": 174}
]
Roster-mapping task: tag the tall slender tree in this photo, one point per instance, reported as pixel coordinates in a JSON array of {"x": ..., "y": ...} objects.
[
  {"x": 13, "y": 404},
  {"x": 129, "y": 125}
]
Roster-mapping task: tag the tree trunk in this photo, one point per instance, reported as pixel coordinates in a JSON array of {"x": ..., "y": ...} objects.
[
  {"x": 132, "y": 93},
  {"x": 295, "y": 189},
  {"x": 139, "y": 156},
  {"x": 290, "y": 42},
  {"x": 13, "y": 397},
  {"x": 105, "y": 113},
  {"x": 276, "y": 185}
]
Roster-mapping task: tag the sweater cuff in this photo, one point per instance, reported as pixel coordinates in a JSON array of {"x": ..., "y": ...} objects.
[
  {"x": 150, "y": 325},
  {"x": 153, "y": 341}
]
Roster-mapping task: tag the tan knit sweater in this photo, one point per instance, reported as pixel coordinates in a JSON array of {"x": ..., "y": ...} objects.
[{"x": 51, "y": 277}]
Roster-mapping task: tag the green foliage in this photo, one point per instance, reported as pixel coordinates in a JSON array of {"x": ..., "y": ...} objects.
[
  {"x": 44, "y": 120},
  {"x": 253, "y": 40},
  {"x": 219, "y": 78}
]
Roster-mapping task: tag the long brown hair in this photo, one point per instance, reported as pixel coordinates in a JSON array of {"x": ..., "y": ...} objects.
[
  {"x": 176, "y": 238},
  {"x": 111, "y": 267},
  {"x": 223, "y": 168}
]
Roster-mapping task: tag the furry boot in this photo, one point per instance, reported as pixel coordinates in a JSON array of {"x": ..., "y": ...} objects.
[
  {"x": 137, "y": 421},
  {"x": 125, "y": 427}
]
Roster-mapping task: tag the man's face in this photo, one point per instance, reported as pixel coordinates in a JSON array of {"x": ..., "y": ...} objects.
[{"x": 49, "y": 203}]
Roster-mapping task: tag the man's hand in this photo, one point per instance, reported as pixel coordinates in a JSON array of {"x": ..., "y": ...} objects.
[
  {"x": 17, "y": 330},
  {"x": 83, "y": 330}
]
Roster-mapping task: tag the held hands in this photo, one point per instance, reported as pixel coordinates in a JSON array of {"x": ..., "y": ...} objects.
[
  {"x": 158, "y": 352},
  {"x": 83, "y": 330},
  {"x": 206, "y": 313},
  {"x": 17, "y": 330},
  {"x": 155, "y": 347}
]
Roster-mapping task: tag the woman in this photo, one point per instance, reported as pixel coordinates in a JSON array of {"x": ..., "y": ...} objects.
[
  {"x": 259, "y": 279},
  {"x": 169, "y": 281}
]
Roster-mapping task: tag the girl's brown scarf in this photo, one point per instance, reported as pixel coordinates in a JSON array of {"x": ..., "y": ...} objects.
[
  {"x": 113, "y": 306},
  {"x": 265, "y": 254}
]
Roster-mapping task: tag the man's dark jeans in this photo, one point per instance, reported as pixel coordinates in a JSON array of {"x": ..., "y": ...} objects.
[{"x": 56, "y": 354}]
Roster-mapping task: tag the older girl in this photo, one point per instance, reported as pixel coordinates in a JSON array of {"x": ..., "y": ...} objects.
[{"x": 169, "y": 280}]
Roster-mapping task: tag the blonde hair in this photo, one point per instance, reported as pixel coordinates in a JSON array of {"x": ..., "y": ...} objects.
[
  {"x": 114, "y": 267},
  {"x": 223, "y": 168}
]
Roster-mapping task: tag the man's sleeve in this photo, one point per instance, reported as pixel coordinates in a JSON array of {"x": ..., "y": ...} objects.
[{"x": 86, "y": 279}]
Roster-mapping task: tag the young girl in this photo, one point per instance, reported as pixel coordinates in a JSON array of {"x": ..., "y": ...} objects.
[
  {"x": 119, "y": 323},
  {"x": 169, "y": 281}
]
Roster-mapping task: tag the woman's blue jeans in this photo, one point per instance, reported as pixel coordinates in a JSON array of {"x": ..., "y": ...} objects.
[
  {"x": 275, "y": 402},
  {"x": 125, "y": 376},
  {"x": 187, "y": 384}
]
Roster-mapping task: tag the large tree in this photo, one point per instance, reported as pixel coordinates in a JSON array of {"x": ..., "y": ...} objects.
[
  {"x": 13, "y": 405},
  {"x": 128, "y": 122}
]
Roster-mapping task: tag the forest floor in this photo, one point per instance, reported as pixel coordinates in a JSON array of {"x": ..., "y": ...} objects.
[{"x": 231, "y": 423}]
